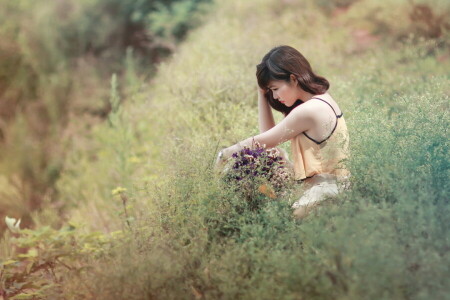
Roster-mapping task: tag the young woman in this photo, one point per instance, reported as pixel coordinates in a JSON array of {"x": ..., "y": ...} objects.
[{"x": 313, "y": 122}]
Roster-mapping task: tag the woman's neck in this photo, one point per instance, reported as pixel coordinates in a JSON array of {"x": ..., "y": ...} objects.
[{"x": 305, "y": 96}]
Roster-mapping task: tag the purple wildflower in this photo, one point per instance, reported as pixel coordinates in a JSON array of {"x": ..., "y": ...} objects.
[{"x": 251, "y": 167}]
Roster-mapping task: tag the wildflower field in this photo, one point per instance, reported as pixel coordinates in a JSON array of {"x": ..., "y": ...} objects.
[{"x": 145, "y": 215}]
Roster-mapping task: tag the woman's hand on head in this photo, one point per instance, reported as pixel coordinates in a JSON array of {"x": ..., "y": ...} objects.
[{"x": 261, "y": 91}]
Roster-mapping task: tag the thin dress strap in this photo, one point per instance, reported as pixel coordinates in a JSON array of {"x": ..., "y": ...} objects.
[
  {"x": 335, "y": 125},
  {"x": 329, "y": 106}
]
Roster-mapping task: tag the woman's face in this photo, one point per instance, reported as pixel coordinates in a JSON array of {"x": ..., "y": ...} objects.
[{"x": 285, "y": 92}]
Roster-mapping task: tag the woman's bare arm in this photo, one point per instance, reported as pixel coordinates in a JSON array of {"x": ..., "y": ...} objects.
[
  {"x": 299, "y": 120},
  {"x": 265, "y": 115}
]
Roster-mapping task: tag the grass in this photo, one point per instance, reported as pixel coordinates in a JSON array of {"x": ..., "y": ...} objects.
[{"x": 193, "y": 237}]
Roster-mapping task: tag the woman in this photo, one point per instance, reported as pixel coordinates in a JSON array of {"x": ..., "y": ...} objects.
[{"x": 313, "y": 122}]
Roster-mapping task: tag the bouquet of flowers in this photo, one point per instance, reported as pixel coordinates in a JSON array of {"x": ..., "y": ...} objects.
[{"x": 258, "y": 172}]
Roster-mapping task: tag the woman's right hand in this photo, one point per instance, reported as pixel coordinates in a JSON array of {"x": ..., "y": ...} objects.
[{"x": 261, "y": 91}]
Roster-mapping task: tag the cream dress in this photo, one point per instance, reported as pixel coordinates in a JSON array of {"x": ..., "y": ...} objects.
[{"x": 320, "y": 164}]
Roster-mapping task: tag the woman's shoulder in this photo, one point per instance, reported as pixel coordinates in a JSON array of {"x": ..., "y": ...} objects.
[
  {"x": 313, "y": 104},
  {"x": 306, "y": 108},
  {"x": 319, "y": 101}
]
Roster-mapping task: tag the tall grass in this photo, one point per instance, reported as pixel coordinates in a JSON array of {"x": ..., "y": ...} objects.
[
  {"x": 191, "y": 236},
  {"x": 56, "y": 59}
]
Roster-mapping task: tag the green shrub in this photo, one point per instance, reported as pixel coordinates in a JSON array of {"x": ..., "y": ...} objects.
[
  {"x": 46, "y": 258},
  {"x": 191, "y": 237},
  {"x": 55, "y": 62}
]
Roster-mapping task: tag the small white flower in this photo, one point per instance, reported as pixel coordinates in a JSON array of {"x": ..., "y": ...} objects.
[{"x": 13, "y": 224}]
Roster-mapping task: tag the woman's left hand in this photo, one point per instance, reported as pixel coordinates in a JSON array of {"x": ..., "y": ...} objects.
[
  {"x": 225, "y": 154},
  {"x": 220, "y": 159}
]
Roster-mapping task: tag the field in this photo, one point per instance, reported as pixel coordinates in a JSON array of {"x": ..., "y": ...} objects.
[{"x": 146, "y": 217}]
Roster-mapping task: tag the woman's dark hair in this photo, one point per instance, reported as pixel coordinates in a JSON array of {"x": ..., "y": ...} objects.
[{"x": 279, "y": 64}]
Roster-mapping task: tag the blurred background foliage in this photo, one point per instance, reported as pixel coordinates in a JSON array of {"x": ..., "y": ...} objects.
[
  {"x": 136, "y": 155},
  {"x": 56, "y": 60}
]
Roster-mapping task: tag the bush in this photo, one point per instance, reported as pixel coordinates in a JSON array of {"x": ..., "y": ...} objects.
[
  {"x": 55, "y": 63},
  {"x": 193, "y": 237},
  {"x": 256, "y": 172}
]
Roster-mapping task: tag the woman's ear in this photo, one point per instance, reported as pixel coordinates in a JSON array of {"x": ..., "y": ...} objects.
[{"x": 293, "y": 79}]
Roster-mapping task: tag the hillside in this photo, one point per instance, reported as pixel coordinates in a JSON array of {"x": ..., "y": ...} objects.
[{"x": 148, "y": 219}]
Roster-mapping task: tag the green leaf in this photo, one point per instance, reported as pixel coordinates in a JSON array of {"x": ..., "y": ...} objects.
[
  {"x": 31, "y": 253},
  {"x": 25, "y": 296},
  {"x": 8, "y": 262},
  {"x": 29, "y": 267}
]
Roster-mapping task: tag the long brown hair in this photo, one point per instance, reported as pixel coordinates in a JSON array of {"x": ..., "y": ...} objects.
[{"x": 278, "y": 64}]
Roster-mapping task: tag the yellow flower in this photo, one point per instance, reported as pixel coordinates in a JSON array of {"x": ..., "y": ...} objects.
[
  {"x": 118, "y": 190},
  {"x": 134, "y": 159}
]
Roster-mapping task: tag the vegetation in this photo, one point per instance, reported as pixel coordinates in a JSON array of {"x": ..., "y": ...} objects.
[
  {"x": 56, "y": 60},
  {"x": 146, "y": 174}
]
